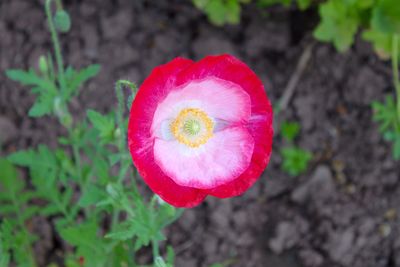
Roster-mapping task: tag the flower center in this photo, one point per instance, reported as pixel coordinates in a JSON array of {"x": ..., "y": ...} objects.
[{"x": 192, "y": 127}]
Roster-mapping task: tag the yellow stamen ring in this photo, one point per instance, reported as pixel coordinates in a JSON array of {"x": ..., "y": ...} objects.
[{"x": 192, "y": 127}]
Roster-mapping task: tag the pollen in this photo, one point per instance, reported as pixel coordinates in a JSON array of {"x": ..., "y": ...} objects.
[{"x": 192, "y": 127}]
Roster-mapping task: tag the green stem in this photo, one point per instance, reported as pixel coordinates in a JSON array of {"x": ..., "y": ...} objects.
[
  {"x": 56, "y": 44},
  {"x": 395, "y": 68},
  {"x": 121, "y": 122},
  {"x": 121, "y": 109},
  {"x": 156, "y": 249}
]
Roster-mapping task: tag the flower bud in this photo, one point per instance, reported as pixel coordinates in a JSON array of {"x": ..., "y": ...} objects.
[
  {"x": 43, "y": 67},
  {"x": 62, "y": 21}
]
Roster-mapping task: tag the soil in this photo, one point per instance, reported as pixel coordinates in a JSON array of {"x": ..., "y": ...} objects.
[{"x": 341, "y": 213}]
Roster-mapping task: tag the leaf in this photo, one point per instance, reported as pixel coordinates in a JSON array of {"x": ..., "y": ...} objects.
[
  {"x": 381, "y": 42},
  {"x": 49, "y": 210},
  {"x": 386, "y": 16},
  {"x": 92, "y": 194},
  {"x": 385, "y": 114},
  {"x": 5, "y": 231},
  {"x": 339, "y": 24},
  {"x": 104, "y": 124},
  {"x": 43, "y": 167},
  {"x": 220, "y": 12},
  {"x": 295, "y": 160},
  {"x": 23, "y": 158},
  {"x": 89, "y": 245},
  {"x": 77, "y": 79},
  {"x": 123, "y": 231},
  {"x": 232, "y": 11},
  {"x": 304, "y": 4},
  {"x": 29, "y": 212},
  {"x": 42, "y": 106},
  {"x": 290, "y": 130},
  {"x": 30, "y": 78},
  {"x": 82, "y": 234},
  {"x": 396, "y": 147},
  {"x": 215, "y": 10},
  {"x": 268, "y": 3},
  {"x": 9, "y": 177}
]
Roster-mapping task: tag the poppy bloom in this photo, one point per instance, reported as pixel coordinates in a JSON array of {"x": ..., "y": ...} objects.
[{"x": 200, "y": 128}]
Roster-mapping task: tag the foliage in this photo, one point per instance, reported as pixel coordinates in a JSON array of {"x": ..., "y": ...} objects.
[
  {"x": 386, "y": 115},
  {"x": 294, "y": 159},
  {"x": 290, "y": 130},
  {"x": 220, "y": 12},
  {"x": 14, "y": 206},
  {"x": 340, "y": 19},
  {"x": 83, "y": 181}
]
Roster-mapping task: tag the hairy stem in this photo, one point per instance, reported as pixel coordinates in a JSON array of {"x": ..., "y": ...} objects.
[
  {"x": 121, "y": 108},
  {"x": 56, "y": 44}
]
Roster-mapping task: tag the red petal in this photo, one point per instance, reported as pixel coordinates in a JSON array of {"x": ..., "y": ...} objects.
[{"x": 153, "y": 90}]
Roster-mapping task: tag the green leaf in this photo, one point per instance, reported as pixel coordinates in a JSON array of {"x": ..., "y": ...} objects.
[
  {"x": 5, "y": 242},
  {"x": 396, "y": 147},
  {"x": 290, "y": 130},
  {"x": 104, "y": 124},
  {"x": 89, "y": 245},
  {"x": 76, "y": 79},
  {"x": 49, "y": 210},
  {"x": 304, "y": 4},
  {"x": 386, "y": 16},
  {"x": 339, "y": 24},
  {"x": 216, "y": 12},
  {"x": 92, "y": 194},
  {"x": 232, "y": 10},
  {"x": 295, "y": 160},
  {"x": 124, "y": 231},
  {"x": 385, "y": 114},
  {"x": 43, "y": 167},
  {"x": 30, "y": 78},
  {"x": 220, "y": 12},
  {"x": 9, "y": 177},
  {"x": 45, "y": 89},
  {"x": 382, "y": 42},
  {"x": 268, "y": 3},
  {"x": 42, "y": 106},
  {"x": 82, "y": 234}
]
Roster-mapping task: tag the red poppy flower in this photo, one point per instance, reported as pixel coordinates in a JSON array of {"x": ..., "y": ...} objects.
[{"x": 200, "y": 128}]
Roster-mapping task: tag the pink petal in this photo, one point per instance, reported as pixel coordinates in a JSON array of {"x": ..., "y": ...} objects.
[
  {"x": 219, "y": 98},
  {"x": 222, "y": 159}
]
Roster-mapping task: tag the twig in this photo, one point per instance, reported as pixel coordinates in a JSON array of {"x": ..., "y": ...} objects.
[{"x": 294, "y": 79}]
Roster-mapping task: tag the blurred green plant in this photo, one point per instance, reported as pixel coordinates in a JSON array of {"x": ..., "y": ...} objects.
[
  {"x": 295, "y": 160},
  {"x": 83, "y": 181},
  {"x": 221, "y": 12}
]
